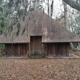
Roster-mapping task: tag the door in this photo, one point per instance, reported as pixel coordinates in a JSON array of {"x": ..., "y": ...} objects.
[{"x": 36, "y": 43}]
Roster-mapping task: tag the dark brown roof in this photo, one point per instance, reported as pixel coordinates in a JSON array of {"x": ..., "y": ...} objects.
[{"x": 40, "y": 24}]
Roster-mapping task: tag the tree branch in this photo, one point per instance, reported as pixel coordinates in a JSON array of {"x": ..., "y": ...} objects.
[{"x": 73, "y": 3}]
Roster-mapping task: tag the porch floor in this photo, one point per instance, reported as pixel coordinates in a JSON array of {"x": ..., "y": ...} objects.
[
  {"x": 70, "y": 56},
  {"x": 49, "y": 56}
]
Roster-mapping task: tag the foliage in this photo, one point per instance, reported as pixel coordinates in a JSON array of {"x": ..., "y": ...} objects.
[
  {"x": 73, "y": 3},
  {"x": 75, "y": 22},
  {"x": 15, "y": 10},
  {"x": 3, "y": 20},
  {"x": 2, "y": 52},
  {"x": 12, "y": 11},
  {"x": 36, "y": 54}
]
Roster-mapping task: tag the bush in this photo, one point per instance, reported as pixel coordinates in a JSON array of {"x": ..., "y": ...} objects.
[
  {"x": 37, "y": 54},
  {"x": 2, "y": 52}
]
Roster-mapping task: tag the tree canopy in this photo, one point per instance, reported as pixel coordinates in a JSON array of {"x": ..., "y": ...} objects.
[
  {"x": 15, "y": 10},
  {"x": 73, "y": 3}
]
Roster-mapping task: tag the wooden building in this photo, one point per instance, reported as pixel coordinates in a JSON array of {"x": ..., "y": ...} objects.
[{"x": 38, "y": 32}]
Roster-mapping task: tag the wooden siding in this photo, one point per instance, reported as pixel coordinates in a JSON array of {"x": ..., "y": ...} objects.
[
  {"x": 52, "y": 49},
  {"x": 57, "y": 49},
  {"x": 36, "y": 43},
  {"x": 16, "y": 49}
]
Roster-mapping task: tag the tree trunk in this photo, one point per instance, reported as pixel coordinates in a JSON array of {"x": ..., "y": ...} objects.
[
  {"x": 65, "y": 15},
  {"x": 66, "y": 25}
]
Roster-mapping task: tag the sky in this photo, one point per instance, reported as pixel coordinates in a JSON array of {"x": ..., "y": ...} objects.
[{"x": 58, "y": 8}]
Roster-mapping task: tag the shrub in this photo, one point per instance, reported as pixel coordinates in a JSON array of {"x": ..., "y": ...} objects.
[
  {"x": 2, "y": 52},
  {"x": 37, "y": 54}
]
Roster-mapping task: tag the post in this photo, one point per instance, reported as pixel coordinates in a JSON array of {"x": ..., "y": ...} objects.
[
  {"x": 19, "y": 49},
  {"x": 42, "y": 47},
  {"x": 29, "y": 51}
]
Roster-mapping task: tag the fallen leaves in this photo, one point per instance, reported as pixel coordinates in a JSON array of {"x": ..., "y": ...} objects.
[{"x": 39, "y": 69}]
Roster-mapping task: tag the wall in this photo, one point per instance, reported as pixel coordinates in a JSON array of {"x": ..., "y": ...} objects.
[
  {"x": 57, "y": 49},
  {"x": 16, "y": 49},
  {"x": 53, "y": 49}
]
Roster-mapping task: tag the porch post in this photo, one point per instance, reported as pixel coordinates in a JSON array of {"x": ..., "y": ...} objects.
[{"x": 29, "y": 51}]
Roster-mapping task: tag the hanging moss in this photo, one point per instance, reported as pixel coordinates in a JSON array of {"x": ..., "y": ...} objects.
[
  {"x": 23, "y": 31},
  {"x": 27, "y": 30},
  {"x": 23, "y": 18},
  {"x": 10, "y": 30},
  {"x": 25, "y": 27},
  {"x": 32, "y": 15},
  {"x": 5, "y": 34},
  {"x": 29, "y": 18},
  {"x": 18, "y": 25},
  {"x": 18, "y": 31},
  {"x": 52, "y": 8},
  {"x": 43, "y": 12}
]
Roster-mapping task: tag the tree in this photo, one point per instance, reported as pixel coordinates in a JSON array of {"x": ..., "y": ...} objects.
[
  {"x": 65, "y": 15},
  {"x": 16, "y": 10},
  {"x": 3, "y": 20},
  {"x": 74, "y": 22},
  {"x": 73, "y": 3}
]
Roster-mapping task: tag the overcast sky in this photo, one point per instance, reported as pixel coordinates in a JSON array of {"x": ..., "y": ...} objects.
[{"x": 58, "y": 7}]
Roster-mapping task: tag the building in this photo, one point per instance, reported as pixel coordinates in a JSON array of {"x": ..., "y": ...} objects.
[{"x": 38, "y": 32}]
